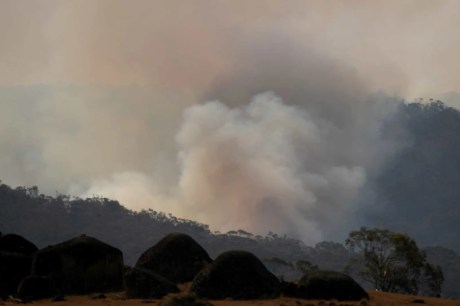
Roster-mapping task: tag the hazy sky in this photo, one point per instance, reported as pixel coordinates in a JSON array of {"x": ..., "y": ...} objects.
[
  {"x": 113, "y": 98},
  {"x": 405, "y": 47}
]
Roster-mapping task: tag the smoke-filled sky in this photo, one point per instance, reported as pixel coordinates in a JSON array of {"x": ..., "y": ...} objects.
[{"x": 260, "y": 115}]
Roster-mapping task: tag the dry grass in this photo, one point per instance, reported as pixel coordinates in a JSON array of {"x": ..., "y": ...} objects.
[{"x": 376, "y": 299}]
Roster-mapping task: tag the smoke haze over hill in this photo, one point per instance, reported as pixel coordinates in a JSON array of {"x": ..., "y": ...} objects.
[{"x": 231, "y": 113}]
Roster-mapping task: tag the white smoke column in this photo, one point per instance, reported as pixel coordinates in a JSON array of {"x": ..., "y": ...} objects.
[{"x": 254, "y": 168}]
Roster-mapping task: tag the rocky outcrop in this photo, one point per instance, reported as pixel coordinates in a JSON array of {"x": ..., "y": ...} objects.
[
  {"x": 177, "y": 257},
  {"x": 144, "y": 284},
  {"x": 15, "y": 262},
  {"x": 35, "y": 287},
  {"x": 81, "y": 265},
  {"x": 16, "y": 244},
  {"x": 329, "y": 285},
  {"x": 236, "y": 275}
]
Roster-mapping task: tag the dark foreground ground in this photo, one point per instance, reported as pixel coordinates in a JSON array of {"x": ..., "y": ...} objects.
[{"x": 376, "y": 299}]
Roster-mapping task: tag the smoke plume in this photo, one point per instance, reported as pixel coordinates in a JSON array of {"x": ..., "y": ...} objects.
[
  {"x": 260, "y": 166},
  {"x": 236, "y": 114}
]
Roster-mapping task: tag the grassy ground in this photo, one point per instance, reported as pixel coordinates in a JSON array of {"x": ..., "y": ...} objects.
[{"x": 376, "y": 299}]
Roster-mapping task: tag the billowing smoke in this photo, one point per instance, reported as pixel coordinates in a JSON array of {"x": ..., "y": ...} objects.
[
  {"x": 285, "y": 143},
  {"x": 263, "y": 163},
  {"x": 260, "y": 166},
  {"x": 234, "y": 114}
]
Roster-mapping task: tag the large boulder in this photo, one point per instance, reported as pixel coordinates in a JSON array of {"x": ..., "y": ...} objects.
[
  {"x": 144, "y": 284},
  {"x": 15, "y": 262},
  {"x": 81, "y": 265},
  {"x": 16, "y": 244},
  {"x": 177, "y": 257},
  {"x": 236, "y": 275},
  {"x": 35, "y": 287},
  {"x": 329, "y": 285},
  {"x": 13, "y": 268}
]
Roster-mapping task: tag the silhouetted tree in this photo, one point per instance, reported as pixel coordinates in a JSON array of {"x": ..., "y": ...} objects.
[{"x": 392, "y": 261}]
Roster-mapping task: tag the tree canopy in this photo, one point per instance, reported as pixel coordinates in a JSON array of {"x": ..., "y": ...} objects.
[{"x": 393, "y": 262}]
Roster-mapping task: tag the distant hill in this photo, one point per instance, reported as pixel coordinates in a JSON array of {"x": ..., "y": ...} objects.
[
  {"x": 417, "y": 190},
  {"x": 47, "y": 220}
]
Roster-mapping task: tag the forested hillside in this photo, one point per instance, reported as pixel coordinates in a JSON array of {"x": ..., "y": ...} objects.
[
  {"x": 418, "y": 189},
  {"x": 46, "y": 220}
]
